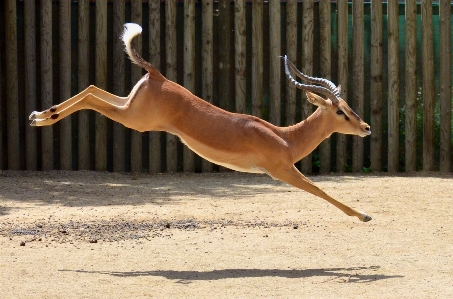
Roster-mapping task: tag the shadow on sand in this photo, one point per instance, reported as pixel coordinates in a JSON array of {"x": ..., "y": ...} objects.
[{"x": 353, "y": 274}]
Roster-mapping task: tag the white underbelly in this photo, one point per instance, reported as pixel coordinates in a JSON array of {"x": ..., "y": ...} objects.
[{"x": 251, "y": 169}]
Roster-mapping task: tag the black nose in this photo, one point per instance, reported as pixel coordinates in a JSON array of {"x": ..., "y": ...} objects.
[{"x": 368, "y": 129}]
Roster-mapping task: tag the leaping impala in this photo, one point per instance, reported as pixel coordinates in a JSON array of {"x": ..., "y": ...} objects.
[{"x": 237, "y": 141}]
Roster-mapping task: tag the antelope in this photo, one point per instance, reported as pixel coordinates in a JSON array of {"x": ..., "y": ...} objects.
[{"x": 237, "y": 141}]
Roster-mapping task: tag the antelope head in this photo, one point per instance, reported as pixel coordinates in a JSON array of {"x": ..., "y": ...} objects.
[{"x": 342, "y": 118}]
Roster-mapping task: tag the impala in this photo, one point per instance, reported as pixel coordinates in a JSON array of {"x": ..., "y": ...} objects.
[{"x": 236, "y": 141}]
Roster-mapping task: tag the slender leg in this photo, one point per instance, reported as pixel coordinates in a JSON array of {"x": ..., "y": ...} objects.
[
  {"x": 297, "y": 179},
  {"x": 102, "y": 94},
  {"x": 89, "y": 101}
]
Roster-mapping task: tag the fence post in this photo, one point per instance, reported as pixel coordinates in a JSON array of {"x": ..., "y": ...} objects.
[
  {"x": 411, "y": 86},
  {"x": 342, "y": 35},
  {"x": 428, "y": 85},
  {"x": 136, "y": 74},
  {"x": 307, "y": 68},
  {"x": 275, "y": 62},
  {"x": 257, "y": 57},
  {"x": 46, "y": 82},
  {"x": 155, "y": 160},
  {"x": 325, "y": 45},
  {"x": 101, "y": 82},
  {"x": 65, "y": 83},
  {"x": 393, "y": 83},
  {"x": 118, "y": 88},
  {"x": 240, "y": 54},
  {"x": 31, "y": 161},
  {"x": 376, "y": 86},
  {"x": 189, "y": 70},
  {"x": 445, "y": 86},
  {"x": 207, "y": 60},
  {"x": 83, "y": 62},
  {"x": 291, "y": 52},
  {"x": 170, "y": 28},
  {"x": 358, "y": 79}
]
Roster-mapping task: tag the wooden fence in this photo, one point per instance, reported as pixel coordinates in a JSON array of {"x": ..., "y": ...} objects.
[{"x": 393, "y": 62}]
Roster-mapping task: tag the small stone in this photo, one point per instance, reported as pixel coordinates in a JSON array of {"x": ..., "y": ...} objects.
[{"x": 22, "y": 243}]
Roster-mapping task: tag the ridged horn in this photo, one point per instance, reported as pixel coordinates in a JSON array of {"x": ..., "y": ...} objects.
[{"x": 327, "y": 88}]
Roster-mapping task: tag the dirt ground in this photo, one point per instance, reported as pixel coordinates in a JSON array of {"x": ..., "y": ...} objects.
[{"x": 225, "y": 235}]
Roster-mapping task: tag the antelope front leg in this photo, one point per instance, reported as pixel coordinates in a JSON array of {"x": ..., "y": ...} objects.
[
  {"x": 96, "y": 91},
  {"x": 294, "y": 177}
]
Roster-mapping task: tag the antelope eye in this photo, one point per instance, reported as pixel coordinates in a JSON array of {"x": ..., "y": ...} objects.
[{"x": 340, "y": 112}]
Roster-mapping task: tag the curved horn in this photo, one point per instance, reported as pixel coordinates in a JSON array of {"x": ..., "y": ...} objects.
[
  {"x": 320, "y": 89},
  {"x": 319, "y": 81}
]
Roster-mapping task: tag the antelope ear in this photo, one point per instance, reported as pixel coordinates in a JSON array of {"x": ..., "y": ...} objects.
[
  {"x": 316, "y": 100},
  {"x": 339, "y": 88}
]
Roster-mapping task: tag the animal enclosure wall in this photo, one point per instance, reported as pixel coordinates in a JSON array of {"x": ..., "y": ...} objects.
[{"x": 392, "y": 60}]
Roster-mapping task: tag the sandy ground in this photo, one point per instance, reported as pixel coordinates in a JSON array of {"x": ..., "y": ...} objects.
[{"x": 227, "y": 235}]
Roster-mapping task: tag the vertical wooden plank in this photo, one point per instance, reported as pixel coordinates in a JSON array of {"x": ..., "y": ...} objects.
[
  {"x": 207, "y": 60},
  {"x": 224, "y": 54},
  {"x": 155, "y": 161},
  {"x": 291, "y": 52},
  {"x": 275, "y": 62},
  {"x": 428, "y": 85},
  {"x": 376, "y": 85},
  {"x": 342, "y": 34},
  {"x": 136, "y": 74},
  {"x": 445, "y": 85},
  {"x": 411, "y": 86},
  {"x": 325, "y": 45},
  {"x": 240, "y": 54},
  {"x": 170, "y": 28},
  {"x": 307, "y": 68},
  {"x": 393, "y": 85},
  {"x": 12, "y": 97},
  {"x": 119, "y": 87},
  {"x": 65, "y": 83},
  {"x": 358, "y": 79},
  {"x": 31, "y": 161},
  {"x": 46, "y": 82},
  {"x": 189, "y": 69},
  {"x": 257, "y": 57},
  {"x": 101, "y": 82},
  {"x": 83, "y": 63}
]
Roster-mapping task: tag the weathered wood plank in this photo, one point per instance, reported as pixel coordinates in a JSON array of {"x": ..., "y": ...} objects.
[
  {"x": 207, "y": 61},
  {"x": 224, "y": 54},
  {"x": 428, "y": 85},
  {"x": 83, "y": 63},
  {"x": 393, "y": 86},
  {"x": 119, "y": 86},
  {"x": 342, "y": 34},
  {"x": 240, "y": 55},
  {"x": 65, "y": 83},
  {"x": 257, "y": 57},
  {"x": 291, "y": 52},
  {"x": 445, "y": 86},
  {"x": 189, "y": 70},
  {"x": 358, "y": 79},
  {"x": 275, "y": 72},
  {"x": 12, "y": 96},
  {"x": 170, "y": 27},
  {"x": 411, "y": 86},
  {"x": 325, "y": 44},
  {"x": 376, "y": 86},
  {"x": 155, "y": 152},
  {"x": 31, "y": 161},
  {"x": 307, "y": 68},
  {"x": 136, "y": 74},
  {"x": 46, "y": 82}
]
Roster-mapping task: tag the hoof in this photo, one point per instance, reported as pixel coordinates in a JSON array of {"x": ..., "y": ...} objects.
[{"x": 366, "y": 218}]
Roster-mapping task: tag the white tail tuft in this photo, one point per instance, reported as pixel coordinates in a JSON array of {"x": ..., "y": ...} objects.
[{"x": 131, "y": 30}]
